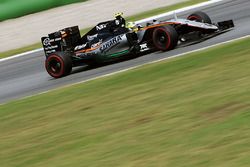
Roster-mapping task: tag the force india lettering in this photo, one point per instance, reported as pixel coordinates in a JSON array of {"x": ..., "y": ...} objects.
[{"x": 111, "y": 43}]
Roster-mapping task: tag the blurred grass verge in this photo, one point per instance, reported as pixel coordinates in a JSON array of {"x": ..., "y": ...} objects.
[
  {"x": 132, "y": 18},
  {"x": 187, "y": 111},
  {"x": 10, "y": 9}
]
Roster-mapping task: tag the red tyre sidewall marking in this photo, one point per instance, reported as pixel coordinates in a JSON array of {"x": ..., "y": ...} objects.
[
  {"x": 169, "y": 40},
  {"x": 194, "y": 18},
  {"x": 57, "y": 58}
]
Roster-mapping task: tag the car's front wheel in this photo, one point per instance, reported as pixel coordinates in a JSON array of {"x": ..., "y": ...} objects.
[
  {"x": 58, "y": 64},
  {"x": 200, "y": 17},
  {"x": 165, "y": 38}
]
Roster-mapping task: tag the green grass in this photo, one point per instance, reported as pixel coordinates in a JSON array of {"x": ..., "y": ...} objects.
[
  {"x": 192, "y": 111},
  {"x": 130, "y": 18},
  {"x": 20, "y": 50}
]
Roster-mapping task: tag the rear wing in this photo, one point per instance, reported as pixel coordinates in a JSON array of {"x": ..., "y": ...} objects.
[{"x": 62, "y": 40}]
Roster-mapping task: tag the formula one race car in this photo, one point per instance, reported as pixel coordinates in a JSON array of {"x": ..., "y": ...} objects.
[{"x": 111, "y": 40}]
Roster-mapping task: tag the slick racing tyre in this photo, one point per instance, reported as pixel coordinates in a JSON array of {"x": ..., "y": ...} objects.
[
  {"x": 58, "y": 64},
  {"x": 200, "y": 17},
  {"x": 165, "y": 38}
]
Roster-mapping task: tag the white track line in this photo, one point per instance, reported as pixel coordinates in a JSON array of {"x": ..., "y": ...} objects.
[
  {"x": 131, "y": 68},
  {"x": 21, "y": 54},
  {"x": 140, "y": 21},
  {"x": 179, "y": 11}
]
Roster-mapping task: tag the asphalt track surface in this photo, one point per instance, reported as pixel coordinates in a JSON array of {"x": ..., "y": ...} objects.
[{"x": 26, "y": 75}]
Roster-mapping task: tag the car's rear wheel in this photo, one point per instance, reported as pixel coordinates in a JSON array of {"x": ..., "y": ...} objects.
[
  {"x": 58, "y": 64},
  {"x": 165, "y": 38},
  {"x": 200, "y": 17}
]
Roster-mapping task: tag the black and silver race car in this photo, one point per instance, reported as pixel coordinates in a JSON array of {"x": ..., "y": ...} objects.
[{"x": 111, "y": 40}]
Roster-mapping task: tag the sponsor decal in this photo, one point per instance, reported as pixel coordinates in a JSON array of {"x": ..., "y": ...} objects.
[
  {"x": 91, "y": 37},
  {"x": 46, "y": 42},
  {"x": 111, "y": 42},
  {"x": 101, "y": 26},
  {"x": 144, "y": 47},
  {"x": 80, "y": 46},
  {"x": 51, "y": 47},
  {"x": 56, "y": 39},
  {"x": 96, "y": 44}
]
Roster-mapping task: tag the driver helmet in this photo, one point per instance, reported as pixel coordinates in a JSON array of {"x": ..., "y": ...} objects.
[{"x": 118, "y": 15}]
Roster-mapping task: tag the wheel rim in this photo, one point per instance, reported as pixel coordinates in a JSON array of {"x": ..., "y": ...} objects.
[
  {"x": 55, "y": 66},
  {"x": 162, "y": 39}
]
